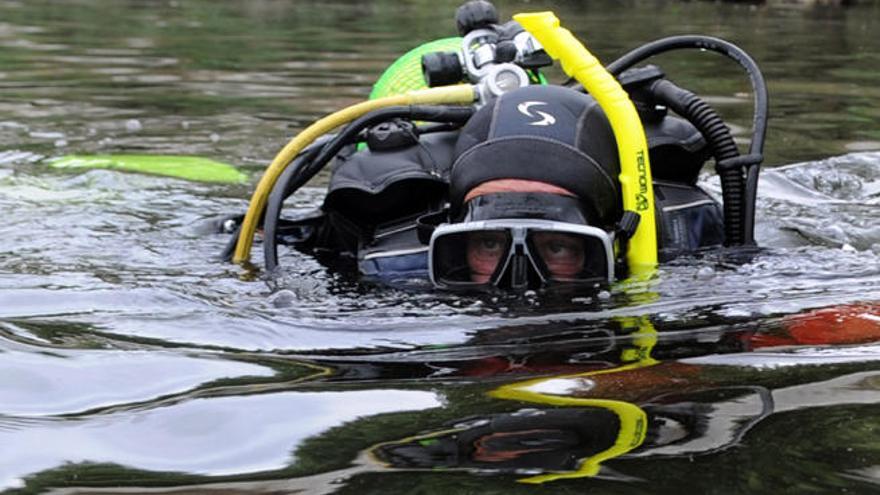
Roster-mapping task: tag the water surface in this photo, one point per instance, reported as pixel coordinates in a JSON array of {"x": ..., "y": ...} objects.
[{"x": 131, "y": 360}]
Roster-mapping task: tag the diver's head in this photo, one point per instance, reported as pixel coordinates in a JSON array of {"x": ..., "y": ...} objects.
[
  {"x": 520, "y": 202},
  {"x": 533, "y": 194}
]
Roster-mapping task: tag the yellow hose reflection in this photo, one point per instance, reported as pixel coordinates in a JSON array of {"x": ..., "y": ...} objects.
[{"x": 552, "y": 390}]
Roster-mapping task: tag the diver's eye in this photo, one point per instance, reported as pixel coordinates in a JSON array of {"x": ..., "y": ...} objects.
[
  {"x": 563, "y": 254},
  {"x": 559, "y": 248},
  {"x": 485, "y": 251},
  {"x": 487, "y": 243}
]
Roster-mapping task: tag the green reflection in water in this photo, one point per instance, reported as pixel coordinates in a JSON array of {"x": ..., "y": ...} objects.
[{"x": 287, "y": 62}]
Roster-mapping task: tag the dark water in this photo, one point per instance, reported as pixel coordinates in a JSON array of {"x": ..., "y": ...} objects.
[{"x": 132, "y": 361}]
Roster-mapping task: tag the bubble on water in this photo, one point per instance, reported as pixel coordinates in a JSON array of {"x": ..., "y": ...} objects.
[
  {"x": 603, "y": 295},
  {"x": 705, "y": 273},
  {"x": 215, "y": 138},
  {"x": 582, "y": 300},
  {"x": 184, "y": 125},
  {"x": 283, "y": 298},
  {"x": 848, "y": 248},
  {"x": 133, "y": 125},
  {"x": 91, "y": 131},
  {"x": 60, "y": 143}
]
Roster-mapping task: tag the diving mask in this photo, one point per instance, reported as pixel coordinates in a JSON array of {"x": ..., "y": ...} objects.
[{"x": 519, "y": 254}]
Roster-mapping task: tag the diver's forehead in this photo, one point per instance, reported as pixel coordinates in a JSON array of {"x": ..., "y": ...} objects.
[{"x": 516, "y": 185}]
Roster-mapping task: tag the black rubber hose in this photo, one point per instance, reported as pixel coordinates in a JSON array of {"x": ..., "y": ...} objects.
[
  {"x": 732, "y": 191},
  {"x": 751, "y": 195},
  {"x": 717, "y": 134},
  {"x": 759, "y": 121},
  {"x": 229, "y": 248},
  {"x": 348, "y": 135},
  {"x": 295, "y": 177},
  {"x": 276, "y": 201},
  {"x": 726, "y": 48}
]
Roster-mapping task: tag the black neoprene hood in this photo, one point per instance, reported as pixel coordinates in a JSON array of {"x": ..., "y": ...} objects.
[{"x": 549, "y": 134}]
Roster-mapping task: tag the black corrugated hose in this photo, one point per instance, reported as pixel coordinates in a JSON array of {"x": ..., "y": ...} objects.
[{"x": 717, "y": 134}]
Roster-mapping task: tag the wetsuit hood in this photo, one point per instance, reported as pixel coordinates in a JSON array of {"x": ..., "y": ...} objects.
[{"x": 549, "y": 134}]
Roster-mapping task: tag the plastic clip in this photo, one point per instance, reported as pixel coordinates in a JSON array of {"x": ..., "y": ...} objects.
[
  {"x": 747, "y": 161},
  {"x": 627, "y": 225}
]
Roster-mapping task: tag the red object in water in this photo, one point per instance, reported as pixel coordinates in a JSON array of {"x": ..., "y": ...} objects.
[{"x": 849, "y": 324}]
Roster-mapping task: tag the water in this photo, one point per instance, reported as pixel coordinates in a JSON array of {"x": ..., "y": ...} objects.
[{"x": 132, "y": 361}]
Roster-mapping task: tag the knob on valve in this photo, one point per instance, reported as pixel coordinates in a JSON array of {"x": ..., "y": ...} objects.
[
  {"x": 476, "y": 14},
  {"x": 441, "y": 69}
]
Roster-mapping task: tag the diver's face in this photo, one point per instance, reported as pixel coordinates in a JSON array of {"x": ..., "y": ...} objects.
[{"x": 563, "y": 254}]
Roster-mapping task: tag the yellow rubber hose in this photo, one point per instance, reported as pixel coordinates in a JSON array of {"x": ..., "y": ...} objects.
[{"x": 635, "y": 169}]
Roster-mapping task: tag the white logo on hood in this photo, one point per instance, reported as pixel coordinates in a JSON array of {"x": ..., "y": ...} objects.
[{"x": 546, "y": 118}]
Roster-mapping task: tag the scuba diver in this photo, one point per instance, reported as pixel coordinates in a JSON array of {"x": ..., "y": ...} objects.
[
  {"x": 534, "y": 199},
  {"x": 511, "y": 204},
  {"x": 525, "y": 189}
]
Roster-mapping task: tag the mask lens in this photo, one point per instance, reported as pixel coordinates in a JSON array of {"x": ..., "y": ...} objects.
[
  {"x": 472, "y": 257},
  {"x": 568, "y": 257}
]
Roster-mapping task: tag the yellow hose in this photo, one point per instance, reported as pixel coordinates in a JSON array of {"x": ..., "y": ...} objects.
[
  {"x": 635, "y": 170},
  {"x": 459, "y": 94}
]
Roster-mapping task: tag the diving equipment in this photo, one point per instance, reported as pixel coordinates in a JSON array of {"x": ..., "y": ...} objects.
[
  {"x": 634, "y": 169},
  {"x": 519, "y": 254},
  {"x": 496, "y": 58},
  {"x": 547, "y": 134},
  {"x": 538, "y": 137},
  {"x": 450, "y": 94},
  {"x": 739, "y": 192}
]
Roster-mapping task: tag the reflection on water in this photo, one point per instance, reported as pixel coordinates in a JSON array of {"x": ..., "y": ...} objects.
[
  {"x": 131, "y": 359},
  {"x": 629, "y": 407}
]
